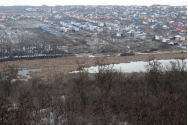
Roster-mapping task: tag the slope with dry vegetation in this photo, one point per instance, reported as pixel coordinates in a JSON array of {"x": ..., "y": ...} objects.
[{"x": 155, "y": 97}]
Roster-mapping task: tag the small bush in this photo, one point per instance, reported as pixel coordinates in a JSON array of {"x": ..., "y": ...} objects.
[{"x": 127, "y": 54}]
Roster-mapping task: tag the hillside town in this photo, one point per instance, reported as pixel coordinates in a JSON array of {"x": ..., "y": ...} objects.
[{"x": 94, "y": 29}]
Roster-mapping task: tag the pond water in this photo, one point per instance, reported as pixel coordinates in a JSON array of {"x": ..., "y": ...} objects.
[
  {"x": 86, "y": 55},
  {"x": 132, "y": 66},
  {"x": 25, "y": 72}
]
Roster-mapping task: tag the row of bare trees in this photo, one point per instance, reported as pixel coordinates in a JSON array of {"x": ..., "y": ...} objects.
[{"x": 26, "y": 44}]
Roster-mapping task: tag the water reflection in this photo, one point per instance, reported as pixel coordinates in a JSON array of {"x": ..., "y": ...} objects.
[
  {"x": 25, "y": 72},
  {"x": 132, "y": 66}
]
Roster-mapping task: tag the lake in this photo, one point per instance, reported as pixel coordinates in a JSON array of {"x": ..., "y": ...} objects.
[{"x": 132, "y": 66}]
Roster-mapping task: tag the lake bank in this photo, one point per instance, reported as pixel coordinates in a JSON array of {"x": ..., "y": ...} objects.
[
  {"x": 65, "y": 65},
  {"x": 137, "y": 66}
]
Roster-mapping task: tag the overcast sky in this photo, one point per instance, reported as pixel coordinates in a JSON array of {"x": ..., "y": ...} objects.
[{"x": 92, "y": 2}]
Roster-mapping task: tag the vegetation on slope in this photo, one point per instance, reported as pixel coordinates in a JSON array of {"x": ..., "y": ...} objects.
[{"x": 158, "y": 96}]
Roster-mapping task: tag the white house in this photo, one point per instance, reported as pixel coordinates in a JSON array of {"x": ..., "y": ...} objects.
[
  {"x": 118, "y": 34},
  {"x": 144, "y": 22},
  {"x": 100, "y": 24},
  {"x": 158, "y": 37},
  {"x": 76, "y": 29},
  {"x": 165, "y": 39},
  {"x": 57, "y": 16},
  {"x": 151, "y": 20},
  {"x": 153, "y": 26},
  {"x": 91, "y": 28},
  {"x": 165, "y": 27},
  {"x": 14, "y": 18}
]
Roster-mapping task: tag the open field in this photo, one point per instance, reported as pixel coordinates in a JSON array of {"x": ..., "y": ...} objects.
[
  {"x": 25, "y": 23},
  {"x": 65, "y": 65}
]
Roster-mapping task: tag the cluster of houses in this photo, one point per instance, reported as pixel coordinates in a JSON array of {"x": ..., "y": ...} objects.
[
  {"x": 173, "y": 39},
  {"x": 118, "y": 20},
  {"x": 44, "y": 28},
  {"x": 17, "y": 17},
  {"x": 73, "y": 26},
  {"x": 123, "y": 18}
]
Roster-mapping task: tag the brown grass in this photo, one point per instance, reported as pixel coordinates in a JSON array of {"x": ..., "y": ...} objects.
[
  {"x": 22, "y": 77},
  {"x": 65, "y": 65}
]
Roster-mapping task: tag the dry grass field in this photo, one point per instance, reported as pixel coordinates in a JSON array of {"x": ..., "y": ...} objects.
[{"x": 65, "y": 65}]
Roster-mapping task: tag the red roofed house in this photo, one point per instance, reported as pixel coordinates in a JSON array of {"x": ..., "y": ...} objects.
[
  {"x": 127, "y": 18},
  {"x": 151, "y": 19},
  {"x": 174, "y": 16},
  {"x": 133, "y": 11},
  {"x": 164, "y": 17},
  {"x": 4, "y": 17},
  {"x": 153, "y": 6},
  {"x": 106, "y": 17},
  {"x": 180, "y": 24},
  {"x": 117, "y": 22},
  {"x": 173, "y": 23},
  {"x": 182, "y": 30}
]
